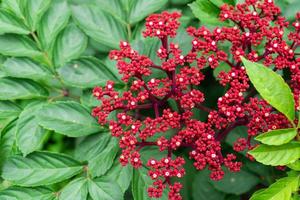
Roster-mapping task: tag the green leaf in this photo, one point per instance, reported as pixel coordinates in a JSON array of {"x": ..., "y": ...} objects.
[
  {"x": 233, "y": 197},
  {"x": 34, "y": 10},
  {"x": 140, "y": 183},
  {"x": 102, "y": 161},
  {"x": 238, "y": 132},
  {"x": 277, "y": 155},
  {"x": 280, "y": 190},
  {"x": 86, "y": 72},
  {"x": 99, "y": 25},
  {"x": 298, "y": 117},
  {"x": 147, "y": 47},
  {"x": 70, "y": 44},
  {"x": 53, "y": 21},
  {"x": 130, "y": 11},
  {"x": 5, "y": 121},
  {"x": 40, "y": 168},
  {"x": 88, "y": 99},
  {"x": 277, "y": 137},
  {"x": 68, "y": 118},
  {"x": 75, "y": 190},
  {"x": 272, "y": 88},
  {"x": 111, "y": 65},
  {"x": 25, "y": 68},
  {"x": 264, "y": 172},
  {"x": 180, "y": 2},
  {"x": 13, "y": 6},
  {"x": 120, "y": 174},
  {"x": 236, "y": 183},
  {"x": 116, "y": 8},
  {"x": 2, "y": 74},
  {"x": 188, "y": 178},
  {"x": 203, "y": 189},
  {"x": 206, "y": 12},
  {"x": 104, "y": 189},
  {"x": 223, "y": 67},
  {"x": 11, "y": 24},
  {"x": 7, "y": 142},
  {"x": 18, "y": 46},
  {"x": 91, "y": 146},
  {"x": 219, "y": 3},
  {"x": 9, "y": 109},
  {"x": 292, "y": 10},
  {"x": 295, "y": 165},
  {"x": 12, "y": 88},
  {"x": 183, "y": 40},
  {"x": 142, "y": 8},
  {"x": 295, "y": 197},
  {"x": 30, "y": 135},
  {"x": 18, "y": 193},
  {"x": 151, "y": 152}
]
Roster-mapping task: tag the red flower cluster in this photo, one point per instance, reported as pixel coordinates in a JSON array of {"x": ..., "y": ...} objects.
[
  {"x": 162, "y": 25},
  {"x": 257, "y": 34}
]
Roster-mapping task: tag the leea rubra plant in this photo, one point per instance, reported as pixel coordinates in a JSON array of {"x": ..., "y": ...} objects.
[
  {"x": 170, "y": 90},
  {"x": 118, "y": 99}
]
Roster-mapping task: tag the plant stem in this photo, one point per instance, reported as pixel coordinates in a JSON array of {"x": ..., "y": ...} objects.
[
  {"x": 129, "y": 32},
  {"x": 36, "y": 40}
]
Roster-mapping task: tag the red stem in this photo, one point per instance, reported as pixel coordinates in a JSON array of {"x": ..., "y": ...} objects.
[
  {"x": 204, "y": 108},
  {"x": 223, "y": 133},
  {"x": 156, "y": 67}
]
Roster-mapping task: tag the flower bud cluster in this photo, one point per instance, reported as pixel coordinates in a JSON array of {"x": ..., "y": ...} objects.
[{"x": 170, "y": 102}]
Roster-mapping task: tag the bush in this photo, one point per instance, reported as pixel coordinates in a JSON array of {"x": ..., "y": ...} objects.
[{"x": 105, "y": 100}]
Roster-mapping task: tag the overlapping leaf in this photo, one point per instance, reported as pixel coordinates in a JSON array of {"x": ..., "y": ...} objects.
[
  {"x": 8, "y": 140},
  {"x": 13, "y": 6},
  {"x": 33, "y": 11},
  {"x": 18, "y": 193},
  {"x": 75, "y": 190},
  {"x": 99, "y": 25},
  {"x": 121, "y": 174},
  {"x": 277, "y": 155},
  {"x": 206, "y": 11},
  {"x": 25, "y": 68},
  {"x": 104, "y": 189},
  {"x": 68, "y": 118},
  {"x": 11, "y": 24},
  {"x": 277, "y": 137},
  {"x": 9, "y": 109},
  {"x": 91, "y": 146},
  {"x": 53, "y": 21},
  {"x": 203, "y": 189},
  {"x": 236, "y": 183},
  {"x": 12, "y": 88},
  {"x": 29, "y": 133},
  {"x": 281, "y": 190},
  {"x": 86, "y": 72},
  {"x": 295, "y": 165},
  {"x": 272, "y": 88},
  {"x": 40, "y": 168},
  {"x": 139, "y": 9},
  {"x": 19, "y": 46},
  {"x": 140, "y": 183},
  {"x": 102, "y": 162},
  {"x": 69, "y": 45}
]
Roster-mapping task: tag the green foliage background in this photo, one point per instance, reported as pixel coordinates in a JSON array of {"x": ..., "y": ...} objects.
[{"x": 52, "y": 53}]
